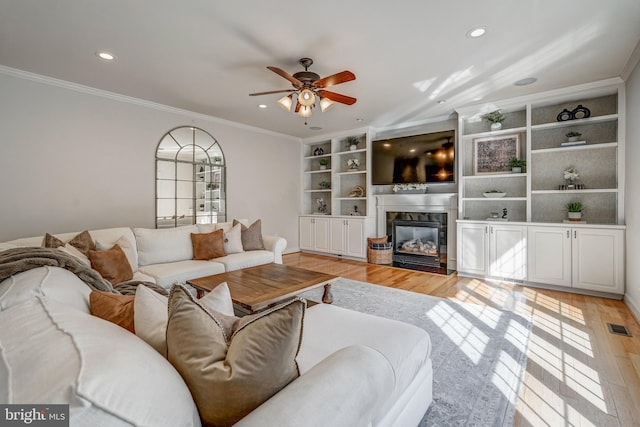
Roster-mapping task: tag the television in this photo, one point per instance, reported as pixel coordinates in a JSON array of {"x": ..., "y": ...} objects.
[{"x": 427, "y": 158}]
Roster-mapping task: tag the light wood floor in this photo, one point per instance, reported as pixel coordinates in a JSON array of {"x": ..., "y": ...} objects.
[{"x": 578, "y": 374}]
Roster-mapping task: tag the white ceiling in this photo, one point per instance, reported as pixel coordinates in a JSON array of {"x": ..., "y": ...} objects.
[{"x": 206, "y": 56}]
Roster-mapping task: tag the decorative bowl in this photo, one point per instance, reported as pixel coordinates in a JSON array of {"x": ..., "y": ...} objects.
[{"x": 494, "y": 195}]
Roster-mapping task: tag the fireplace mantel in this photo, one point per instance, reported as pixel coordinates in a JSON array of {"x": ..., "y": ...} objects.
[{"x": 426, "y": 203}]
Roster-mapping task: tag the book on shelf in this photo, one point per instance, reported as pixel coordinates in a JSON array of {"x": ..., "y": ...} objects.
[{"x": 572, "y": 143}]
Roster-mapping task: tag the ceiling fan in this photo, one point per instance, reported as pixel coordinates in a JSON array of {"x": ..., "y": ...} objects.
[{"x": 309, "y": 87}]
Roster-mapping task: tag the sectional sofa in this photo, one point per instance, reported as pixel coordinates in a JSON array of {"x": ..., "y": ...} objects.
[{"x": 354, "y": 369}]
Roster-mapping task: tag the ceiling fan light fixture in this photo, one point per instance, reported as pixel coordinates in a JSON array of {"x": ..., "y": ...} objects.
[
  {"x": 306, "y": 97},
  {"x": 286, "y": 102},
  {"x": 325, "y": 104},
  {"x": 304, "y": 111}
]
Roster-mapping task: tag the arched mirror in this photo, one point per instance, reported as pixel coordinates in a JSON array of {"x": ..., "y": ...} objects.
[{"x": 190, "y": 179}]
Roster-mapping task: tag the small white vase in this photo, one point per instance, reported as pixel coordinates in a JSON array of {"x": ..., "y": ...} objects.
[
  {"x": 323, "y": 167},
  {"x": 573, "y": 138},
  {"x": 516, "y": 170},
  {"x": 353, "y": 147},
  {"x": 496, "y": 126}
]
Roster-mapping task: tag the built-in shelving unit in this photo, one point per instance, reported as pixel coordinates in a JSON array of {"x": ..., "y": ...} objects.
[{"x": 538, "y": 194}]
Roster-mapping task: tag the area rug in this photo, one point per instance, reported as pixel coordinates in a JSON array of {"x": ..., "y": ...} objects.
[{"x": 479, "y": 353}]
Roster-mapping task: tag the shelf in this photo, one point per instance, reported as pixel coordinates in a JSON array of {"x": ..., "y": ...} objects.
[
  {"x": 493, "y": 199},
  {"x": 319, "y": 171},
  {"x": 576, "y": 148},
  {"x": 351, "y": 198},
  {"x": 567, "y": 123},
  {"x": 325, "y": 190},
  {"x": 317, "y": 157},
  {"x": 500, "y": 175},
  {"x": 496, "y": 132},
  {"x": 360, "y": 150},
  {"x": 585, "y": 190},
  {"x": 352, "y": 172}
]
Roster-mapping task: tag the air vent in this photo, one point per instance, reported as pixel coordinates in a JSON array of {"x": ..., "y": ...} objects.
[{"x": 618, "y": 330}]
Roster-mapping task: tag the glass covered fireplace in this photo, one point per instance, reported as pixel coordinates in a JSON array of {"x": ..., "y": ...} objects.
[{"x": 419, "y": 240}]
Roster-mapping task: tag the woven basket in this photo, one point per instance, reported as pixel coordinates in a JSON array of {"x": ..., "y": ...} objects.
[{"x": 379, "y": 256}]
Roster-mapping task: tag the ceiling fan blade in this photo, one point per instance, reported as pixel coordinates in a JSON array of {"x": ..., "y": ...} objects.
[
  {"x": 271, "y": 91},
  {"x": 335, "y": 79},
  {"x": 297, "y": 83},
  {"x": 336, "y": 97}
]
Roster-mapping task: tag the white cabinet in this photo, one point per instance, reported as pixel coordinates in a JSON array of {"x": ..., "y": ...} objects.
[
  {"x": 493, "y": 250},
  {"x": 582, "y": 258},
  {"x": 337, "y": 236},
  {"x": 314, "y": 234}
]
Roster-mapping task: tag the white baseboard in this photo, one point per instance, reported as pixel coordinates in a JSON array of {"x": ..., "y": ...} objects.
[{"x": 633, "y": 307}]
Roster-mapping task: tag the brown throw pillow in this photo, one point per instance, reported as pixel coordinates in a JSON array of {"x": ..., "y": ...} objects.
[
  {"x": 208, "y": 245},
  {"x": 232, "y": 365},
  {"x": 82, "y": 242},
  {"x": 372, "y": 240},
  {"x": 115, "y": 308},
  {"x": 251, "y": 236},
  {"x": 111, "y": 264}
]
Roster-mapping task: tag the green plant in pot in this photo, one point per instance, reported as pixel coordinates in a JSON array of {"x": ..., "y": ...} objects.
[
  {"x": 352, "y": 143},
  {"x": 573, "y": 136},
  {"x": 574, "y": 210},
  {"x": 517, "y": 165},
  {"x": 323, "y": 163},
  {"x": 495, "y": 118}
]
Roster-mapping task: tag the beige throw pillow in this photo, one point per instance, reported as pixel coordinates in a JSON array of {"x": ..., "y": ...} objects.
[
  {"x": 251, "y": 236},
  {"x": 150, "y": 313},
  {"x": 82, "y": 241},
  {"x": 232, "y": 365}
]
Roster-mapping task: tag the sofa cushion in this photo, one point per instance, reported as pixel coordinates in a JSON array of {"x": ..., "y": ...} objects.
[
  {"x": 167, "y": 274},
  {"x": 150, "y": 313},
  {"x": 328, "y": 328},
  {"x": 208, "y": 245},
  {"x": 82, "y": 241},
  {"x": 233, "y": 240},
  {"x": 251, "y": 236},
  {"x": 245, "y": 259},
  {"x": 62, "y": 355},
  {"x": 232, "y": 365},
  {"x": 164, "y": 245},
  {"x": 117, "y": 309},
  {"x": 112, "y": 264},
  {"x": 52, "y": 282}
]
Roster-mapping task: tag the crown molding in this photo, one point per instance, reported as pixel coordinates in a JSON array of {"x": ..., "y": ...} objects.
[
  {"x": 631, "y": 64},
  {"x": 26, "y": 75}
]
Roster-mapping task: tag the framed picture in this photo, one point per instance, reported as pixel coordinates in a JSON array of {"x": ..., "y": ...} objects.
[{"x": 491, "y": 154}]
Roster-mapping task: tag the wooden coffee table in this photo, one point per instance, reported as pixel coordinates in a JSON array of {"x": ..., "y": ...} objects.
[{"x": 257, "y": 288}]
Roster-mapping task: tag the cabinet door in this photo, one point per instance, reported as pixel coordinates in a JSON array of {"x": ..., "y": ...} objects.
[
  {"x": 322, "y": 238},
  {"x": 307, "y": 233},
  {"x": 338, "y": 231},
  {"x": 472, "y": 248},
  {"x": 508, "y": 252},
  {"x": 549, "y": 256},
  {"x": 355, "y": 240},
  {"x": 598, "y": 256}
]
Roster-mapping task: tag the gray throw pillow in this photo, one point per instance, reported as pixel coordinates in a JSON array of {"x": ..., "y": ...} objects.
[{"x": 251, "y": 236}]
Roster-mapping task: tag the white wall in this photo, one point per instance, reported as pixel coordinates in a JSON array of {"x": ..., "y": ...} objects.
[
  {"x": 632, "y": 195},
  {"x": 72, "y": 158}
]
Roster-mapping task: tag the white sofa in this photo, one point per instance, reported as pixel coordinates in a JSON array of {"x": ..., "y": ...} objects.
[
  {"x": 165, "y": 256},
  {"x": 356, "y": 369}
]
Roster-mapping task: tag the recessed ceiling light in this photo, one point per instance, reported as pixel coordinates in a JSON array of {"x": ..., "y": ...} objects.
[
  {"x": 262, "y": 105},
  {"x": 476, "y": 32},
  {"x": 105, "y": 55},
  {"x": 359, "y": 120},
  {"x": 442, "y": 101},
  {"x": 315, "y": 128},
  {"x": 527, "y": 81}
]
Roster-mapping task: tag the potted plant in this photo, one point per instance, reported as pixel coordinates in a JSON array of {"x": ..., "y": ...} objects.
[
  {"x": 574, "y": 211},
  {"x": 323, "y": 163},
  {"x": 324, "y": 184},
  {"x": 217, "y": 160},
  {"x": 573, "y": 136},
  {"x": 517, "y": 165},
  {"x": 495, "y": 118},
  {"x": 352, "y": 143},
  {"x": 201, "y": 207}
]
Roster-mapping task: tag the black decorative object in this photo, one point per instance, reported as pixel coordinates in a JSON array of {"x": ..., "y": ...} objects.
[
  {"x": 581, "y": 112},
  {"x": 565, "y": 115},
  {"x": 504, "y": 213},
  {"x": 318, "y": 151}
]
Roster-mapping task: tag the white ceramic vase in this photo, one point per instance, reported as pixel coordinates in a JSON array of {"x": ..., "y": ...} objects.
[{"x": 496, "y": 126}]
